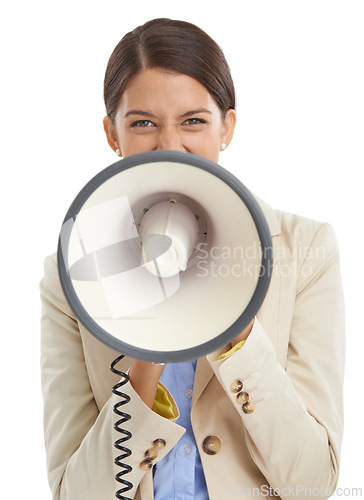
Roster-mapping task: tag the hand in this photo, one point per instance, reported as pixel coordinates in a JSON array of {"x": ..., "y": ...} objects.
[
  {"x": 144, "y": 377},
  {"x": 244, "y": 334}
]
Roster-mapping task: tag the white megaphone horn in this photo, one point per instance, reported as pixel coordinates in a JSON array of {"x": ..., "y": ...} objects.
[{"x": 165, "y": 256}]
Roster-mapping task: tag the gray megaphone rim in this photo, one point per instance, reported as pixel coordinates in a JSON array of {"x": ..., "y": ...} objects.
[{"x": 248, "y": 313}]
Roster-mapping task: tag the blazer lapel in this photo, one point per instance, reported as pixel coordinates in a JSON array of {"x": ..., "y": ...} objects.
[{"x": 203, "y": 376}]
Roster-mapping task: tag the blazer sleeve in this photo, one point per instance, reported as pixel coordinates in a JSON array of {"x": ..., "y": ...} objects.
[
  {"x": 294, "y": 433},
  {"x": 79, "y": 439}
]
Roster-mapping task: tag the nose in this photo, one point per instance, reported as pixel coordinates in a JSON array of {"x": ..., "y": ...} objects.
[{"x": 170, "y": 140}]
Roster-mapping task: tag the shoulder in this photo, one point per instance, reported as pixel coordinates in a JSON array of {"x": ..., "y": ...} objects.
[
  {"x": 292, "y": 230},
  {"x": 297, "y": 230},
  {"x": 50, "y": 286},
  {"x": 309, "y": 247},
  {"x": 51, "y": 277}
]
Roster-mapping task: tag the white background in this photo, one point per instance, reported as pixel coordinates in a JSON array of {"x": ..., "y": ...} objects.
[{"x": 298, "y": 70}]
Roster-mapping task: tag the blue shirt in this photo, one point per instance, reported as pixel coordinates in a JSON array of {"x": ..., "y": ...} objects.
[{"x": 179, "y": 475}]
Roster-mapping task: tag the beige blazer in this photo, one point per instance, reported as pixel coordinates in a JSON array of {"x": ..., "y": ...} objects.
[{"x": 291, "y": 366}]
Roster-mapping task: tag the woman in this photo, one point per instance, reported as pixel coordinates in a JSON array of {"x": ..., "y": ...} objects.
[{"x": 168, "y": 87}]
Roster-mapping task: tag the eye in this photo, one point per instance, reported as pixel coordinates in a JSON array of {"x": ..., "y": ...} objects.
[
  {"x": 194, "y": 121},
  {"x": 142, "y": 123}
]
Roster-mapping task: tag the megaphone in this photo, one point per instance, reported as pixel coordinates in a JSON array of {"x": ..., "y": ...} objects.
[{"x": 165, "y": 256}]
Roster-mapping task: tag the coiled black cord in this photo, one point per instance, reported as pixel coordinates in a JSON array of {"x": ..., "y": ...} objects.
[{"x": 127, "y": 435}]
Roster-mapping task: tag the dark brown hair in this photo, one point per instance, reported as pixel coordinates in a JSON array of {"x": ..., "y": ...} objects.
[{"x": 175, "y": 46}]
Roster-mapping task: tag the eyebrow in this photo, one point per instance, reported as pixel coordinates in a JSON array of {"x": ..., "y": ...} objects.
[{"x": 184, "y": 115}]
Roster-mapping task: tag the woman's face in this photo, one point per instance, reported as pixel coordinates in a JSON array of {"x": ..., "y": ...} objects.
[{"x": 168, "y": 111}]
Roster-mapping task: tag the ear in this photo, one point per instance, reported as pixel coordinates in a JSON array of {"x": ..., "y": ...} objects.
[
  {"x": 228, "y": 126},
  {"x": 110, "y": 133}
]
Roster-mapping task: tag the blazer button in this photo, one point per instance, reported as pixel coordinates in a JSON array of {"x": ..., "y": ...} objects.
[
  {"x": 211, "y": 445},
  {"x": 159, "y": 444},
  {"x": 146, "y": 464},
  {"x": 236, "y": 386},
  {"x": 151, "y": 454},
  {"x": 242, "y": 397},
  {"x": 248, "y": 407}
]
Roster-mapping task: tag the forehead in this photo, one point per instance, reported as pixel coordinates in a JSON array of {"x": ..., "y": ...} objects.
[{"x": 157, "y": 89}]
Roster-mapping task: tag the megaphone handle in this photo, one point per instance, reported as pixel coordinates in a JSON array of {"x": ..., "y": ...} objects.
[{"x": 127, "y": 435}]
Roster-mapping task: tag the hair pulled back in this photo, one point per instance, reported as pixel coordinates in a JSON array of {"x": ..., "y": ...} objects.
[{"x": 175, "y": 46}]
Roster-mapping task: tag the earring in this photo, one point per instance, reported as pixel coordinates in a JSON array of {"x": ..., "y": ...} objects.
[
  {"x": 223, "y": 146},
  {"x": 118, "y": 152}
]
